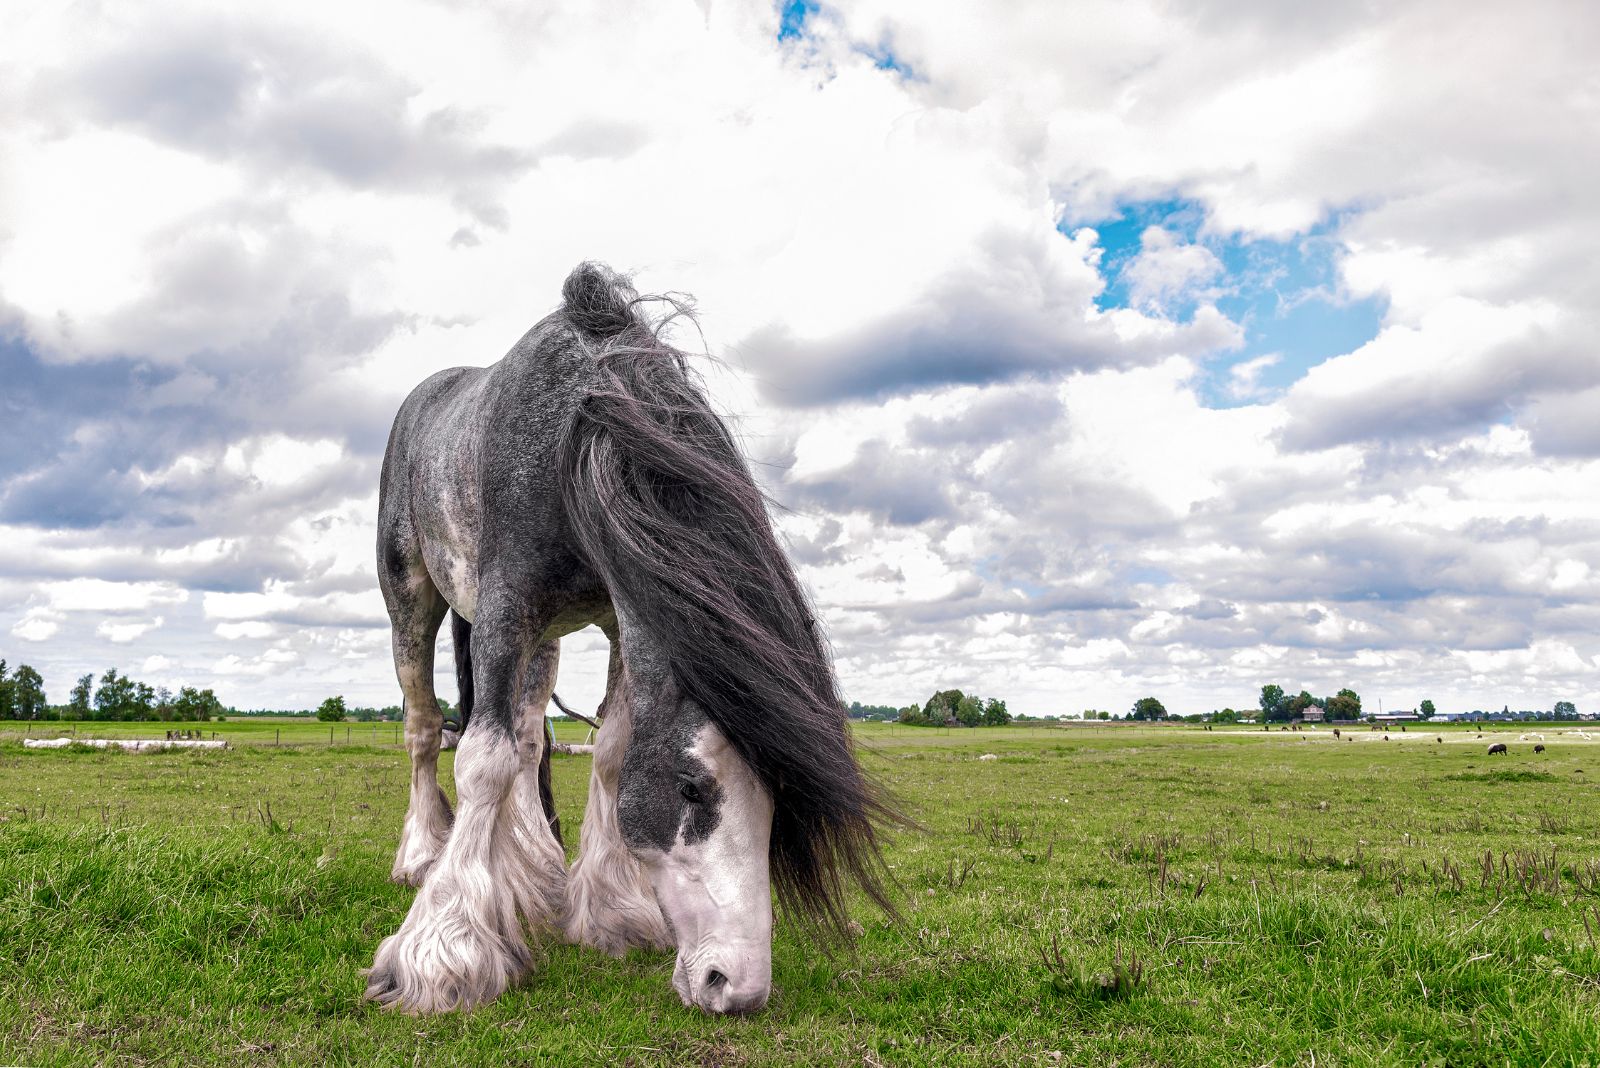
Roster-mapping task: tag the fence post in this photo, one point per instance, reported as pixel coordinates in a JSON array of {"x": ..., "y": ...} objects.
[
  {"x": 347, "y": 736},
  {"x": 277, "y": 733},
  {"x": 330, "y": 735}
]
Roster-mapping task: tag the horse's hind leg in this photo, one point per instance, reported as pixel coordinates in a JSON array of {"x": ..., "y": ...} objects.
[
  {"x": 463, "y": 943},
  {"x": 610, "y": 904},
  {"x": 415, "y": 614}
]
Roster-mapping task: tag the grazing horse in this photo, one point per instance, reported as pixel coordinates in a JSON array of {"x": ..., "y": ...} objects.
[{"x": 582, "y": 480}]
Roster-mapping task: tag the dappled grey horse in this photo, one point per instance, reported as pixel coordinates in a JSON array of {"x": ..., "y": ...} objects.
[{"x": 585, "y": 480}]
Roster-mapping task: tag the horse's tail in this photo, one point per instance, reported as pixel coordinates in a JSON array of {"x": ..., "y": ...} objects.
[
  {"x": 461, "y": 637},
  {"x": 660, "y": 502}
]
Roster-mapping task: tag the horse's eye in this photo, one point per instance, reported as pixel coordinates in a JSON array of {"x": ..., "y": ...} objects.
[{"x": 689, "y": 791}]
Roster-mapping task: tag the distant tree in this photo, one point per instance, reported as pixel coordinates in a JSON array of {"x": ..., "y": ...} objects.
[
  {"x": 196, "y": 705},
  {"x": 857, "y": 710},
  {"x": 143, "y": 703},
  {"x": 1227, "y": 715},
  {"x": 1271, "y": 698},
  {"x": 1563, "y": 710},
  {"x": 1346, "y": 704},
  {"x": 943, "y": 707},
  {"x": 332, "y": 710},
  {"x": 969, "y": 710},
  {"x": 1104, "y": 714},
  {"x": 1425, "y": 710},
  {"x": 912, "y": 715},
  {"x": 7, "y": 701},
  {"x": 27, "y": 694},
  {"x": 78, "y": 703},
  {"x": 118, "y": 697},
  {"x": 1148, "y": 708},
  {"x": 994, "y": 713}
]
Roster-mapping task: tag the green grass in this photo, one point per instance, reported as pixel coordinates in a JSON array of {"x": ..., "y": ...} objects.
[{"x": 1110, "y": 895}]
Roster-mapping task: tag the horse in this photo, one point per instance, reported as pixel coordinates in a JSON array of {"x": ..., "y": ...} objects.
[{"x": 585, "y": 479}]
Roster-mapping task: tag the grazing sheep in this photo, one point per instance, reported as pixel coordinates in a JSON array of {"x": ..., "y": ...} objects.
[
  {"x": 1440, "y": 739},
  {"x": 988, "y": 756},
  {"x": 1499, "y": 747},
  {"x": 1386, "y": 737},
  {"x": 1538, "y": 748}
]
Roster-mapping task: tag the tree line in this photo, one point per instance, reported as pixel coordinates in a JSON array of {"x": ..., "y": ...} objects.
[
  {"x": 952, "y": 708},
  {"x": 118, "y": 697}
]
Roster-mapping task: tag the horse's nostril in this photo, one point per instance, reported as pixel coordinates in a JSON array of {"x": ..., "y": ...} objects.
[{"x": 714, "y": 979}]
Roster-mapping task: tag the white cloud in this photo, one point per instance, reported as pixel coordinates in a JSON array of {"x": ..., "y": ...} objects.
[
  {"x": 246, "y": 629},
  {"x": 1244, "y": 377},
  {"x": 1168, "y": 270},
  {"x": 99, "y": 595},
  {"x": 37, "y": 626},
  {"x": 123, "y": 632}
]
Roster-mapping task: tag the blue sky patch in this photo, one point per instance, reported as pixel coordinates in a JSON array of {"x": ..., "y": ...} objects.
[
  {"x": 1285, "y": 294},
  {"x": 795, "y": 15},
  {"x": 792, "y": 18}
]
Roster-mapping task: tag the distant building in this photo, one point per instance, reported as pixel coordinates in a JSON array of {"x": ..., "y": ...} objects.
[{"x": 1313, "y": 714}]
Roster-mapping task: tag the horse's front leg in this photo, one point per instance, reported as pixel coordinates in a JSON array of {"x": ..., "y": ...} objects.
[
  {"x": 463, "y": 943},
  {"x": 537, "y": 868},
  {"x": 610, "y": 904}
]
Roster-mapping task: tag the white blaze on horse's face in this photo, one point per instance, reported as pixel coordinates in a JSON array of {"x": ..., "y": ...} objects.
[{"x": 712, "y": 882}]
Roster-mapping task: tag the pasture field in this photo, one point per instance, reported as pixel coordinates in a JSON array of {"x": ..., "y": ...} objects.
[{"x": 1097, "y": 896}]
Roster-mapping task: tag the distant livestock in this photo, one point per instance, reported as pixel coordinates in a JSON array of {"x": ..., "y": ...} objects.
[
  {"x": 1538, "y": 748},
  {"x": 1498, "y": 747}
]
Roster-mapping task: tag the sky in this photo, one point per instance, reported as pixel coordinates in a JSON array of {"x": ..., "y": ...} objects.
[{"x": 1088, "y": 351}]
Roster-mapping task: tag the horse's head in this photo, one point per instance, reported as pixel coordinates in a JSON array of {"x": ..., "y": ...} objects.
[{"x": 699, "y": 822}]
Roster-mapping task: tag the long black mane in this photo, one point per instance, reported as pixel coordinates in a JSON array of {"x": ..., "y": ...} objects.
[{"x": 662, "y": 504}]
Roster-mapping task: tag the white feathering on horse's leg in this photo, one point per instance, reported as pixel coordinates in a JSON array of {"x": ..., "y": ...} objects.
[
  {"x": 426, "y": 830},
  {"x": 610, "y": 903},
  {"x": 462, "y": 943}
]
